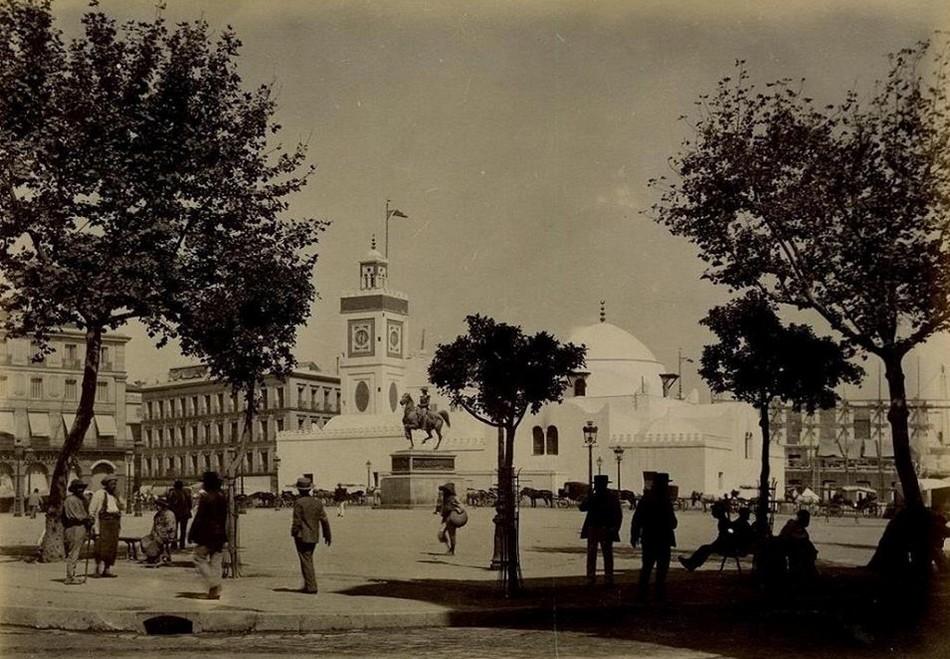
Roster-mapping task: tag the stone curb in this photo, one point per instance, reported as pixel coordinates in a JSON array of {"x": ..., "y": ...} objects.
[{"x": 271, "y": 622}]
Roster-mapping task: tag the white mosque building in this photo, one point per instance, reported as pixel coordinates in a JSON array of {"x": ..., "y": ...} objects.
[{"x": 710, "y": 448}]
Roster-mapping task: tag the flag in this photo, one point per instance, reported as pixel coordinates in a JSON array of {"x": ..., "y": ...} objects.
[{"x": 397, "y": 213}]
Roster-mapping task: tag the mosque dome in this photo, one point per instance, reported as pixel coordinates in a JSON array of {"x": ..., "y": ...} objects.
[
  {"x": 618, "y": 362},
  {"x": 606, "y": 341}
]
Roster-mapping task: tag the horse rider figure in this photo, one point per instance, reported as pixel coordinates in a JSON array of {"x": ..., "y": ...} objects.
[{"x": 424, "y": 423}]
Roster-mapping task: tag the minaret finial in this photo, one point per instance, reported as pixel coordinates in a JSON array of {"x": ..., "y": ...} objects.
[
  {"x": 603, "y": 311},
  {"x": 373, "y": 242}
]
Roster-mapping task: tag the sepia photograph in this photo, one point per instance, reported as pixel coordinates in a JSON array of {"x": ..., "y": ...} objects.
[{"x": 482, "y": 329}]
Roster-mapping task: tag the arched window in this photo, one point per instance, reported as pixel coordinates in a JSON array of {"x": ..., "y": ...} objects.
[
  {"x": 538, "y": 437},
  {"x": 580, "y": 387},
  {"x": 552, "y": 440}
]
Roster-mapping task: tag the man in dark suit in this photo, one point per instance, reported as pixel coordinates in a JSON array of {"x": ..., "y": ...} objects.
[
  {"x": 652, "y": 527},
  {"x": 180, "y": 502},
  {"x": 309, "y": 517},
  {"x": 601, "y": 528}
]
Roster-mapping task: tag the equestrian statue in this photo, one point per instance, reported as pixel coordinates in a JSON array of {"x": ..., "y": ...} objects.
[{"x": 421, "y": 418}]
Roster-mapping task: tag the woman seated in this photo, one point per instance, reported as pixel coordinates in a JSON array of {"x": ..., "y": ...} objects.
[{"x": 157, "y": 544}]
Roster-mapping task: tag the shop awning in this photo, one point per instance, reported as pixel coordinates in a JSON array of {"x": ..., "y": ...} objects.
[
  {"x": 105, "y": 425},
  {"x": 828, "y": 448},
  {"x": 39, "y": 424},
  {"x": 7, "y": 423}
]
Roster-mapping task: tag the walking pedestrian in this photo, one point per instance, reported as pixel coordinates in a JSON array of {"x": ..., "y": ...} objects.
[
  {"x": 309, "y": 518},
  {"x": 180, "y": 503},
  {"x": 601, "y": 528},
  {"x": 653, "y": 528},
  {"x": 106, "y": 512},
  {"x": 76, "y": 525},
  {"x": 453, "y": 515},
  {"x": 209, "y": 533},
  {"x": 34, "y": 502},
  {"x": 339, "y": 497}
]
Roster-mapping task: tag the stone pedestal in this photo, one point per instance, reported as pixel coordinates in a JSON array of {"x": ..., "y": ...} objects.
[{"x": 416, "y": 477}]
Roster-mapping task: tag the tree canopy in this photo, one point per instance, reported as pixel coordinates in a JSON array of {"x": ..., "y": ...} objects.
[
  {"x": 758, "y": 359},
  {"x": 139, "y": 179},
  {"x": 841, "y": 208},
  {"x": 497, "y": 373}
]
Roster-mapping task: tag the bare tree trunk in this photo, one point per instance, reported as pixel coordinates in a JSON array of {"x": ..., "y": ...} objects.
[
  {"x": 897, "y": 415},
  {"x": 513, "y": 564},
  {"x": 762, "y": 508},
  {"x": 231, "y": 474},
  {"x": 52, "y": 548}
]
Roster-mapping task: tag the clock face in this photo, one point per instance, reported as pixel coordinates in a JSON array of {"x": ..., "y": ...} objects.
[
  {"x": 394, "y": 339},
  {"x": 361, "y": 337}
]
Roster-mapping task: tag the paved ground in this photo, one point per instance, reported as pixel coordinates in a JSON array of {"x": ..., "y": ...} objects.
[
  {"x": 386, "y": 569},
  {"x": 476, "y": 642}
]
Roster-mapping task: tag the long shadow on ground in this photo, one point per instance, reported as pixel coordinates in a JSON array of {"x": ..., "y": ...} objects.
[{"x": 845, "y": 612}]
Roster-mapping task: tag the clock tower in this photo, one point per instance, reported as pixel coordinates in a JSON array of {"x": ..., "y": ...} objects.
[{"x": 373, "y": 366}]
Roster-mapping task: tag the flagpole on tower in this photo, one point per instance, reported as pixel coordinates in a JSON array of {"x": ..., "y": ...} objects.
[{"x": 387, "y": 229}]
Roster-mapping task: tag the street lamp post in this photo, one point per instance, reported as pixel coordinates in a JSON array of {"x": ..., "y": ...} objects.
[
  {"x": 590, "y": 439},
  {"x": 129, "y": 457},
  {"x": 18, "y": 485},
  {"x": 137, "y": 475},
  {"x": 369, "y": 465},
  {"x": 600, "y": 464},
  {"x": 276, "y": 462},
  {"x": 618, "y": 454}
]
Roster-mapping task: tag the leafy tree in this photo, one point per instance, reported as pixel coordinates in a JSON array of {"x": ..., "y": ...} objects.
[
  {"x": 760, "y": 360},
  {"x": 841, "y": 209},
  {"x": 496, "y": 373},
  {"x": 244, "y": 328},
  {"x": 129, "y": 159}
]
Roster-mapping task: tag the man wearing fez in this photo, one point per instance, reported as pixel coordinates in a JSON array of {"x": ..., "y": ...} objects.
[
  {"x": 601, "y": 527},
  {"x": 653, "y": 528},
  {"x": 76, "y": 524},
  {"x": 309, "y": 517},
  {"x": 209, "y": 533},
  {"x": 106, "y": 512}
]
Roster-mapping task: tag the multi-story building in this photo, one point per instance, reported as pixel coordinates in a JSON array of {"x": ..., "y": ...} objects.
[
  {"x": 38, "y": 401},
  {"x": 192, "y": 424},
  {"x": 851, "y": 444}
]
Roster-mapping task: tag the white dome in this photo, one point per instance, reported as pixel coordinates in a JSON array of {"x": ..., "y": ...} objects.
[
  {"x": 618, "y": 362},
  {"x": 605, "y": 341}
]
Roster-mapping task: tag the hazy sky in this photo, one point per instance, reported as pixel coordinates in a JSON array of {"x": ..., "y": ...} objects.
[{"x": 518, "y": 137}]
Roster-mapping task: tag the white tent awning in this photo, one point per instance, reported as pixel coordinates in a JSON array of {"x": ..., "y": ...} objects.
[
  {"x": 105, "y": 425},
  {"x": 39, "y": 424},
  {"x": 7, "y": 423}
]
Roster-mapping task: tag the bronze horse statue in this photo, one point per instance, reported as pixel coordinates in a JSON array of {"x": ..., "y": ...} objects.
[{"x": 413, "y": 419}]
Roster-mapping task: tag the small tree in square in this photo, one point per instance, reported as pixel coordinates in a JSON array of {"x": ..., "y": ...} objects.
[
  {"x": 759, "y": 360},
  {"x": 497, "y": 374},
  {"x": 245, "y": 327}
]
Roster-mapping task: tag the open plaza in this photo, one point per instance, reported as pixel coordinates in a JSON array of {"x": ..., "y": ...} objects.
[{"x": 386, "y": 569}]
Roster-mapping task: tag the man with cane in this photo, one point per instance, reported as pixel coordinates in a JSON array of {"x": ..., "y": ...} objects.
[{"x": 76, "y": 523}]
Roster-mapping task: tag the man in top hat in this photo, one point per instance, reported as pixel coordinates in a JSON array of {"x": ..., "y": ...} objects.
[
  {"x": 601, "y": 527},
  {"x": 309, "y": 518},
  {"x": 106, "y": 513},
  {"x": 653, "y": 528},
  {"x": 76, "y": 523},
  {"x": 179, "y": 502},
  {"x": 209, "y": 532}
]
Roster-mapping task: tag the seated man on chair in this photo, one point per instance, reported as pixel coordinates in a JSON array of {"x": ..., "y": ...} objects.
[{"x": 724, "y": 544}]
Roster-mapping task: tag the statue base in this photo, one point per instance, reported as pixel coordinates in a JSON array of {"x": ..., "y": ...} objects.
[{"x": 416, "y": 477}]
